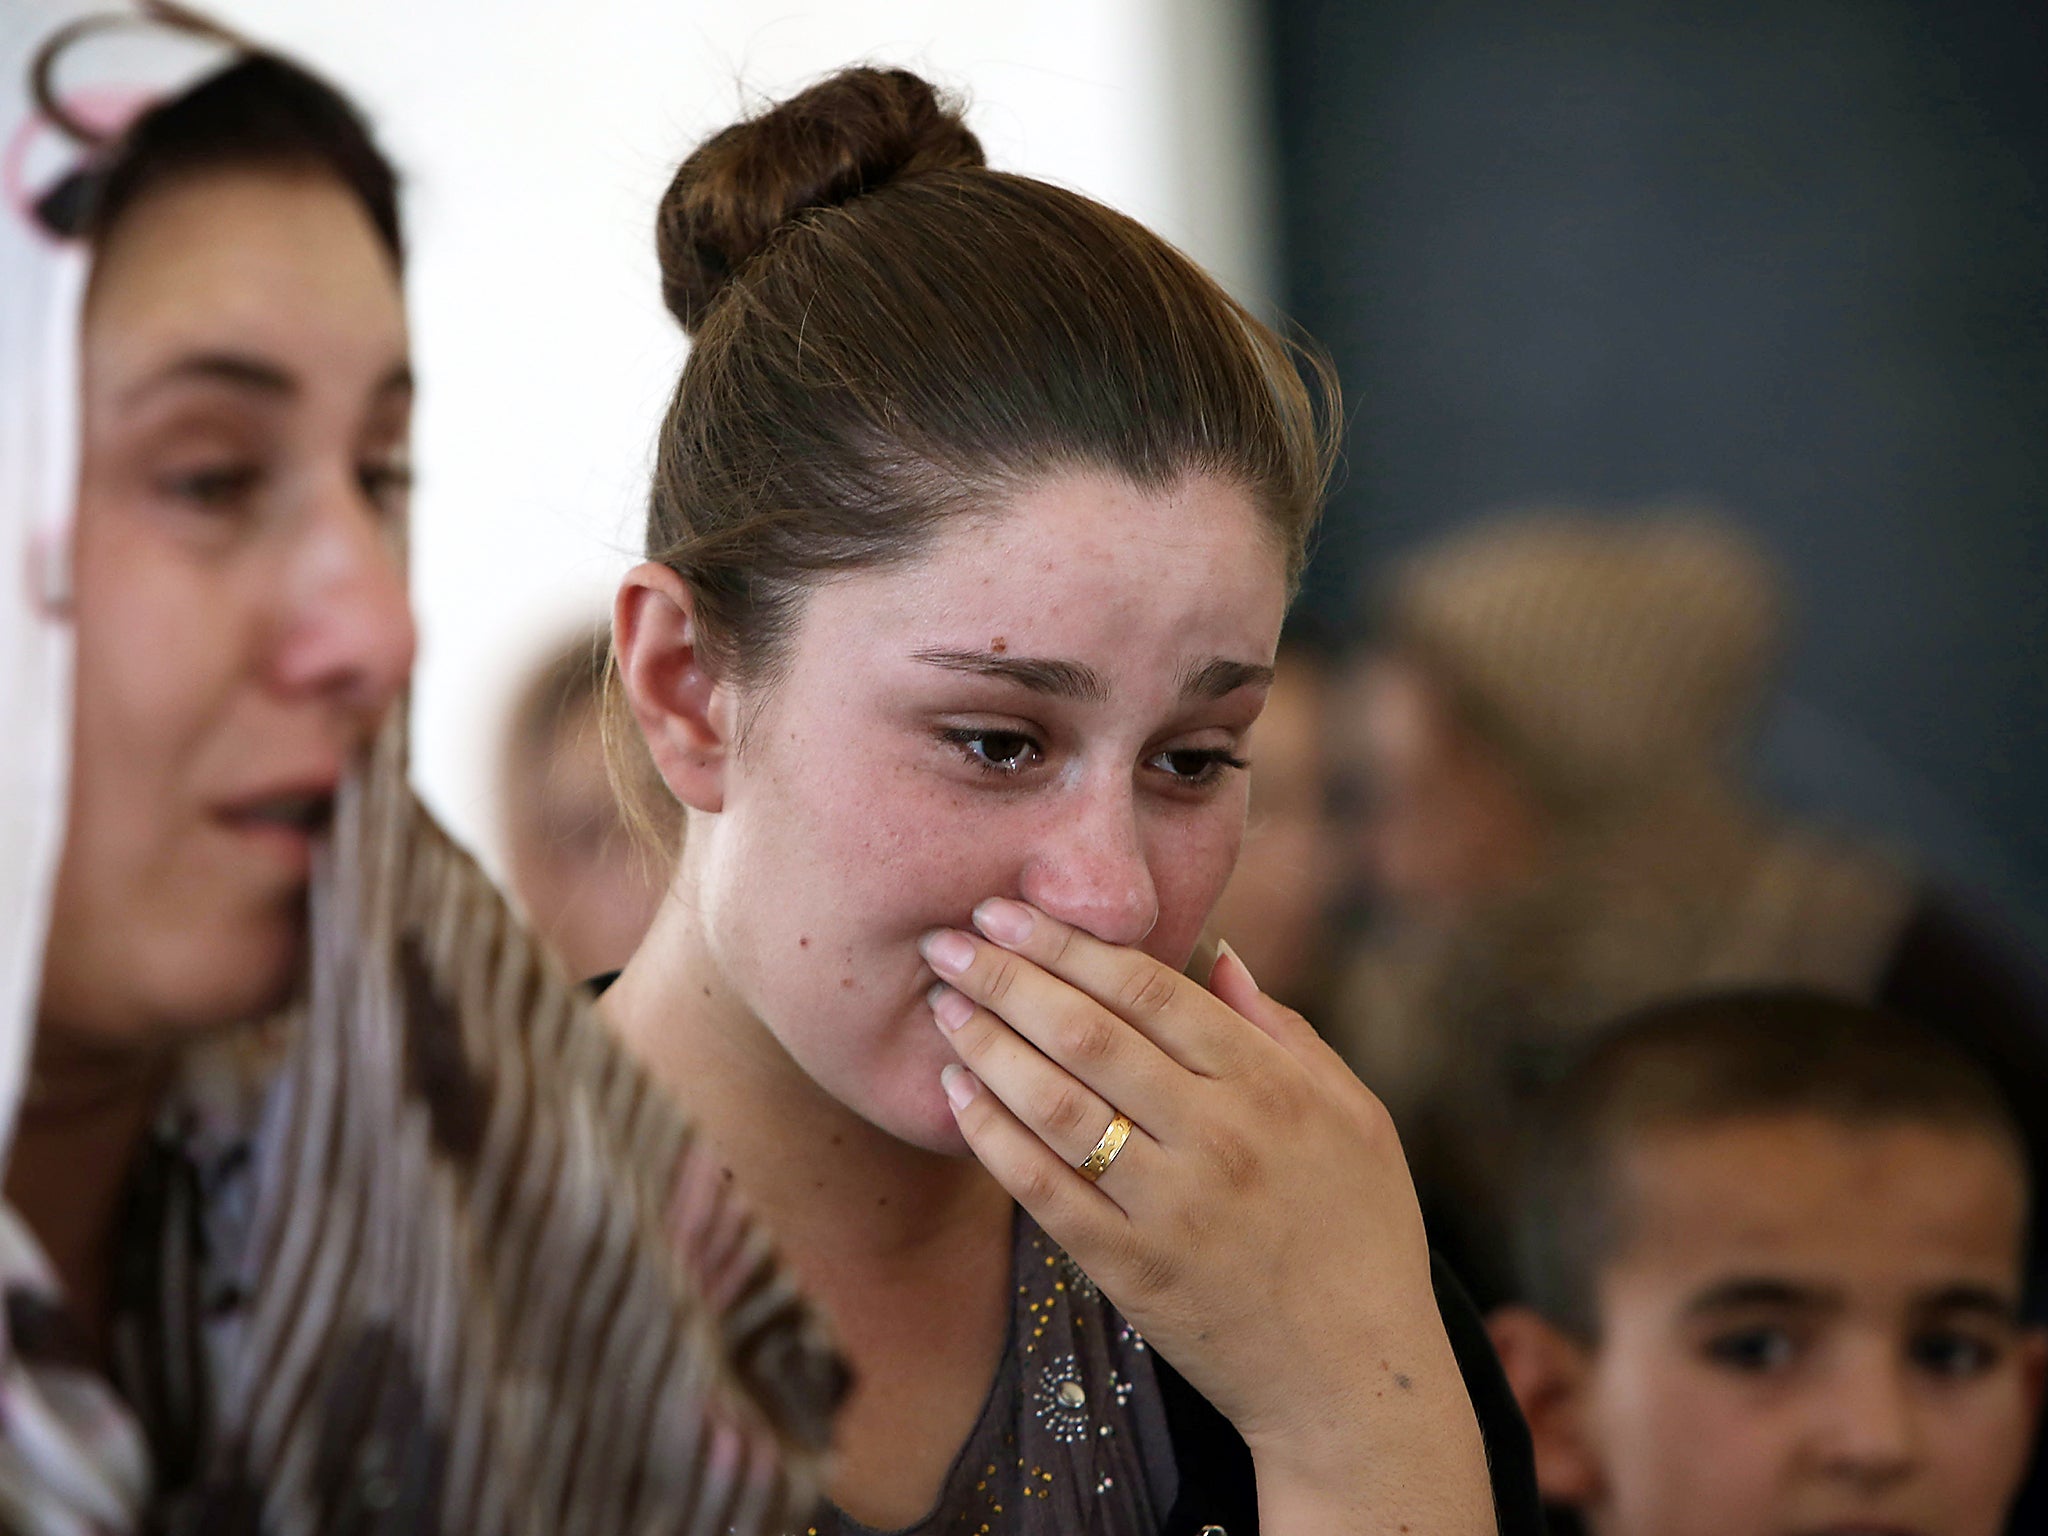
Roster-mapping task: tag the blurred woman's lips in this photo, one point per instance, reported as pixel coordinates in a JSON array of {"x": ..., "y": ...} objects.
[{"x": 285, "y": 823}]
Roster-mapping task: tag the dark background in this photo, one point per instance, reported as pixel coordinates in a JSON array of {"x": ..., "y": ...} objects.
[{"x": 1792, "y": 260}]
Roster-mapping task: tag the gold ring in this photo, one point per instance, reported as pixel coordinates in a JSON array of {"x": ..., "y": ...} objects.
[{"x": 1096, "y": 1163}]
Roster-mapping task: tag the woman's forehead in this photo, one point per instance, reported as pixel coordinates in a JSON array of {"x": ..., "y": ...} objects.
[
  {"x": 262, "y": 264},
  {"x": 1085, "y": 560}
]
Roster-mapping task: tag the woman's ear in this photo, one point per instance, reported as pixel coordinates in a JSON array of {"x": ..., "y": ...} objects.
[
  {"x": 1549, "y": 1373},
  {"x": 683, "y": 711}
]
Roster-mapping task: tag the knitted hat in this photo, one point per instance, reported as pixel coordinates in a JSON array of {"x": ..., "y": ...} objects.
[{"x": 1605, "y": 655}]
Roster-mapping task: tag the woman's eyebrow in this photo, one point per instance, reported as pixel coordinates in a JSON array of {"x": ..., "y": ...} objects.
[
  {"x": 1220, "y": 678},
  {"x": 1077, "y": 680},
  {"x": 1057, "y": 679},
  {"x": 237, "y": 369}
]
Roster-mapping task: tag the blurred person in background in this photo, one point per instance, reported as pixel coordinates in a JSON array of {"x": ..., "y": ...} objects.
[
  {"x": 1551, "y": 724},
  {"x": 1276, "y": 911},
  {"x": 259, "y": 1020},
  {"x": 1772, "y": 1247},
  {"x": 586, "y": 880}
]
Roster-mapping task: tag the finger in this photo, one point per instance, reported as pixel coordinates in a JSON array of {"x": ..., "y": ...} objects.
[
  {"x": 1182, "y": 1018},
  {"x": 1231, "y": 980},
  {"x": 1063, "y": 1112},
  {"x": 1079, "y": 1216},
  {"x": 1069, "y": 1029}
]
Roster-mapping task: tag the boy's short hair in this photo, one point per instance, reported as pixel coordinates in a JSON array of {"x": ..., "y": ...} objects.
[{"x": 1706, "y": 1060}]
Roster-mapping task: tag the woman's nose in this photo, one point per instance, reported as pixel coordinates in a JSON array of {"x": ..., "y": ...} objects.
[
  {"x": 348, "y": 630},
  {"x": 1090, "y": 869}
]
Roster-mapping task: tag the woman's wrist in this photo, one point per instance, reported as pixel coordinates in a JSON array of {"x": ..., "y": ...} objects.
[{"x": 1410, "y": 1458}]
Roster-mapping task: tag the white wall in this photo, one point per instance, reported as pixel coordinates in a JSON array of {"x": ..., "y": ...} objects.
[{"x": 536, "y": 138}]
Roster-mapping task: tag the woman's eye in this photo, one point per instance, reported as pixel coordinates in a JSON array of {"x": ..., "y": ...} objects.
[
  {"x": 1198, "y": 766},
  {"x": 1952, "y": 1355},
  {"x": 388, "y": 486},
  {"x": 998, "y": 752},
  {"x": 214, "y": 487},
  {"x": 1755, "y": 1351}
]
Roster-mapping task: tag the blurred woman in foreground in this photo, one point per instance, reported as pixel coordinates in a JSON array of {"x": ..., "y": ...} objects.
[{"x": 316, "y": 1269}]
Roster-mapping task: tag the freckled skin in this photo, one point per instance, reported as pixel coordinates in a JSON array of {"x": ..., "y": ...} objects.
[
  {"x": 847, "y": 818},
  {"x": 871, "y": 797}
]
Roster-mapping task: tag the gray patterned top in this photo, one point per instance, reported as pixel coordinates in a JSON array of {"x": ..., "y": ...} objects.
[{"x": 1072, "y": 1439}]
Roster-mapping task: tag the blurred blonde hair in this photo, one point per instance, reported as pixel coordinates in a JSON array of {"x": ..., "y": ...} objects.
[{"x": 1605, "y": 655}]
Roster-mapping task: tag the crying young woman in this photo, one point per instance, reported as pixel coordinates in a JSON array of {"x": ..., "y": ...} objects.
[{"x": 976, "y": 513}]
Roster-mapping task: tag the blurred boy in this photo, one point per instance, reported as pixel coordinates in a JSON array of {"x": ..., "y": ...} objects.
[{"x": 1772, "y": 1246}]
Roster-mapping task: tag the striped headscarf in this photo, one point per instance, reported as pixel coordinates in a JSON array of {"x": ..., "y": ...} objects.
[{"x": 428, "y": 1255}]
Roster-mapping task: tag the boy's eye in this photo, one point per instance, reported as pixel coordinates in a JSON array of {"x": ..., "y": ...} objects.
[
  {"x": 1947, "y": 1353},
  {"x": 1753, "y": 1350},
  {"x": 1197, "y": 766},
  {"x": 997, "y": 752}
]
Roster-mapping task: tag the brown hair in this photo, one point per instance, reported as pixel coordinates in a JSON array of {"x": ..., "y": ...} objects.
[
  {"x": 887, "y": 333},
  {"x": 260, "y": 112},
  {"x": 1707, "y": 1060}
]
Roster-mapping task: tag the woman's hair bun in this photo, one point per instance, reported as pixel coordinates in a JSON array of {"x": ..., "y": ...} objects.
[{"x": 846, "y": 135}]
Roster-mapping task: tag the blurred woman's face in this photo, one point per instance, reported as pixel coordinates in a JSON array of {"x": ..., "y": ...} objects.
[
  {"x": 1451, "y": 824},
  {"x": 241, "y": 608},
  {"x": 1275, "y": 912},
  {"x": 585, "y": 884},
  {"x": 1049, "y": 705}
]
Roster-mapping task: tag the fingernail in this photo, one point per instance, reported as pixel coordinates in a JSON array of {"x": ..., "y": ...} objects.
[
  {"x": 959, "y": 1084},
  {"x": 1223, "y": 948},
  {"x": 950, "y": 1008},
  {"x": 1007, "y": 922},
  {"x": 947, "y": 952}
]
